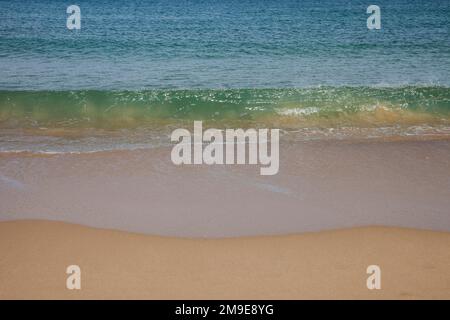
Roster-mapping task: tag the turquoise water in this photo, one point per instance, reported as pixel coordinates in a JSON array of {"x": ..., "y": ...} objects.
[
  {"x": 288, "y": 108},
  {"x": 174, "y": 44},
  {"x": 147, "y": 67},
  {"x": 101, "y": 120}
]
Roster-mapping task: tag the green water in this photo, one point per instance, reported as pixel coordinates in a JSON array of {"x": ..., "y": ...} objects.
[{"x": 322, "y": 106}]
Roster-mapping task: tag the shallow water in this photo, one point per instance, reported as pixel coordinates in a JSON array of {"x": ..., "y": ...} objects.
[
  {"x": 321, "y": 185},
  {"x": 92, "y": 120}
]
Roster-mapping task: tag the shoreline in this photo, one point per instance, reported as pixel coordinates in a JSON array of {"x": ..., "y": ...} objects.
[
  {"x": 320, "y": 186},
  {"x": 320, "y": 265}
]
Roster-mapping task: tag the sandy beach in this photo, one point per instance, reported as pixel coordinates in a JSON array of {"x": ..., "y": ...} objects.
[
  {"x": 140, "y": 227},
  {"x": 120, "y": 265},
  {"x": 225, "y": 149}
]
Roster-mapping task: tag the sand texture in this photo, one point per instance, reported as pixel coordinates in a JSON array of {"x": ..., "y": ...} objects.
[{"x": 114, "y": 264}]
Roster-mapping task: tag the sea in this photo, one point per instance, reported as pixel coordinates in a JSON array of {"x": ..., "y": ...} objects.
[{"x": 136, "y": 70}]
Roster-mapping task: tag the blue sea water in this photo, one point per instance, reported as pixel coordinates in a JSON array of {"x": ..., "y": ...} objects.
[
  {"x": 208, "y": 44},
  {"x": 141, "y": 68}
]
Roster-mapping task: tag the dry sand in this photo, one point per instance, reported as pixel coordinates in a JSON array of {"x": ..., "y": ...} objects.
[{"x": 115, "y": 264}]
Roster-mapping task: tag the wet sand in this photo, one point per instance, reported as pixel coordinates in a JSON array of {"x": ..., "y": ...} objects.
[
  {"x": 118, "y": 265},
  {"x": 320, "y": 186}
]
